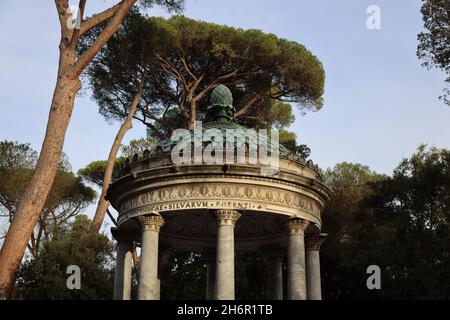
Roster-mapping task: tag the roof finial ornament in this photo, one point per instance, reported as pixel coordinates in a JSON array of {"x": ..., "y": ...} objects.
[{"x": 221, "y": 104}]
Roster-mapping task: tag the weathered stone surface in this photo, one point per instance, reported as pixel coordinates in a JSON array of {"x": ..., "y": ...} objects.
[
  {"x": 224, "y": 287},
  {"x": 296, "y": 272},
  {"x": 313, "y": 243},
  {"x": 148, "y": 286},
  {"x": 122, "y": 276},
  {"x": 155, "y": 188}
]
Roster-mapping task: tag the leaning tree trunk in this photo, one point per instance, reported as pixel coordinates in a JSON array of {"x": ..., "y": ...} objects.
[
  {"x": 34, "y": 197},
  {"x": 67, "y": 85},
  {"x": 103, "y": 204}
]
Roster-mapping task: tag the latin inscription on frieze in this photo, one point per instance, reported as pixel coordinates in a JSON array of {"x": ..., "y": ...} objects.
[{"x": 213, "y": 196}]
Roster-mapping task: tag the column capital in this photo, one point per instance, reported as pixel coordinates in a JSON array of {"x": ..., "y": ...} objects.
[
  {"x": 297, "y": 226},
  {"x": 314, "y": 241},
  {"x": 227, "y": 217},
  {"x": 151, "y": 222}
]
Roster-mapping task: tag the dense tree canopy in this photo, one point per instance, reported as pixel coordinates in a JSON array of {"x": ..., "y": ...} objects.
[
  {"x": 94, "y": 171},
  {"x": 434, "y": 41},
  {"x": 68, "y": 195},
  {"x": 45, "y": 276},
  {"x": 181, "y": 60},
  {"x": 399, "y": 222},
  {"x": 70, "y": 66}
]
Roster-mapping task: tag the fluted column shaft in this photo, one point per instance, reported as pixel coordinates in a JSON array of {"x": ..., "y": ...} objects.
[
  {"x": 296, "y": 275},
  {"x": 148, "y": 287},
  {"x": 313, "y": 243},
  {"x": 224, "y": 288}
]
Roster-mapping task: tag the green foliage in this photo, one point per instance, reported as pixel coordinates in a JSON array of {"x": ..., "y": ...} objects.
[
  {"x": 400, "y": 223},
  {"x": 95, "y": 171},
  {"x": 14, "y": 154},
  {"x": 184, "y": 277},
  {"x": 251, "y": 276},
  {"x": 342, "y": 264},
  {"x": 415, "y": 202},
  {"x": 45, "y": 276},
  {"x": 137, "y": 146},
  {"x": 288, "y": 139},
  {"x": 181, "y": 60},
  {"x": 280, "y": 114},
  {"x": 68, "y": 195},
  {"x": 434, "y": 41}
]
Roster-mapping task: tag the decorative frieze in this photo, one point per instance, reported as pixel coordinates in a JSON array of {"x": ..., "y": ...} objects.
[{"x": 218, "y": 196}]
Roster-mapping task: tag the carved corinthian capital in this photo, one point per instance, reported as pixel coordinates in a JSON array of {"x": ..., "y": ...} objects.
[
  {"x": 151, "y": 222},
  {"x": 297, "y": 226},
  {"x": 314, "y": 241},
  {"x": 227, "y": 217}
]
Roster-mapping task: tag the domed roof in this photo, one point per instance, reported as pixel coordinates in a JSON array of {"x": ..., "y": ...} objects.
[
  {"x": 221, "y": 113},
  {"x": 221, "y": 96},
  {"x": 228, "y": 130},
  {"x": 221, "y": 124}
]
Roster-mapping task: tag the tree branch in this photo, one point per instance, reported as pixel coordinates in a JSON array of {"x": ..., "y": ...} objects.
[
  {"x": 97, "y": 19},
  {"x": 183, "y": 61},
  {"x": 111, "y": 217},
  {"x": 110, "y": 29},
  {"x": 247, "y": 105},
  {"x": 76, "y": 32},
  {"x": 62, "y": 9}
]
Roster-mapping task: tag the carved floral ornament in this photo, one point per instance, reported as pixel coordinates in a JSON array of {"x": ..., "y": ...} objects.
[
  {"x": 200, "y": 192},
  {"x": 297, "y": 226},
  {"x": 314, "y": 241},
  {"x": 151, "y": 222},
  {"x": 227, "y": 217}
]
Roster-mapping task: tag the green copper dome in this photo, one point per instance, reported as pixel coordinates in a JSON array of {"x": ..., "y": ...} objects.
[
  {"x": 220, "y": 115},
  {"x": 221, "y": 104},
  {"x": 240, "y": 133},
  {"x": 221, "y": 96}
]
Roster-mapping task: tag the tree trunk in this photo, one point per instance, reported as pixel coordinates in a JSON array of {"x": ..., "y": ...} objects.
[
  {"x": 67, "y": 85},
  {"x": 103, "y": 204},
  {"x": 34, "y": 197}
]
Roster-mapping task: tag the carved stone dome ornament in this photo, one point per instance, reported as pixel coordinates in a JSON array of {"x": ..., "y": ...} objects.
[{"x": 220, "y": 208}]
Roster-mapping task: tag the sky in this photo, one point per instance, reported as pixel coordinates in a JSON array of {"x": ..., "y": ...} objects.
[{"x": 379, "y": 103}]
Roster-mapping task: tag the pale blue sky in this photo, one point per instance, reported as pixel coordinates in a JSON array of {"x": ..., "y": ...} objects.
[{"x": 380, "y": 104}]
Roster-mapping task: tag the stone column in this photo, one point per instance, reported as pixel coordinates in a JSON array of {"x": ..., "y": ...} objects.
[
  {"x": 313, "y": 243},
  {"x": 275, "y": 275},
  {"x": 296, "y": 277},
  {"x": 226, "y": 220},
  {"x": 210, "y": 276},
  {"x": 124, "y": 260},
  {"x": 148, "y": 286}
]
